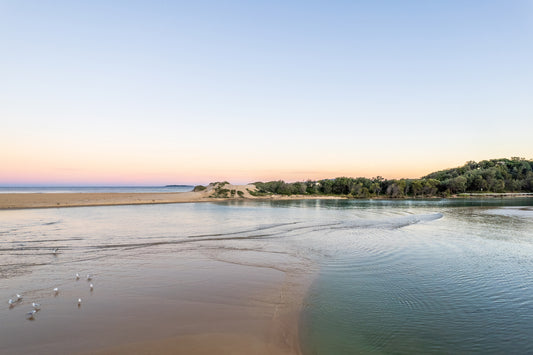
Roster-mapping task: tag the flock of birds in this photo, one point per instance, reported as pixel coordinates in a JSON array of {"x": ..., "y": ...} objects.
[{"x": 37, "y": 306}]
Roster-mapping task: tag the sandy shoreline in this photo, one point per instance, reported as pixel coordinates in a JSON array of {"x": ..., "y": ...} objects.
[
  {"x": 250, "y": 318},
  {"x": 204, "y": 300},
  {"x": 47, "y": 200},
  {"x": 54, "y": 200}
]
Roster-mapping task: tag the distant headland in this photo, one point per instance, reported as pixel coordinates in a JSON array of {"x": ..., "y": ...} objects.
[{"x": 488, "y": 177}]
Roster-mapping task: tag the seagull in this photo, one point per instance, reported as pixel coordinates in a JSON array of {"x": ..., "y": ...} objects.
[
  {"x": 77, "y": 276},
  {"x": 89, "y": 277},
  {"x": 56, "y": 291},
  {"x": 91, "y": 286},
  {"x": 11, "y": 303},
  {"x": 79, "y": 302},
  {"x": 36, "y": 306},
  {"x": 30, "y": 315},
  {"x": 19, "y": 297},
  {"x": 55, "y": 251}
]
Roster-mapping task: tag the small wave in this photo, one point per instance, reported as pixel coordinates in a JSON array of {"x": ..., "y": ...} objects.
[
  {"x": 51, "y": 223},
  {"x": 259, "y": 228},
  {"x": 422, "y": 218},
  {"x": 388, "y": 223},
  {"x": 47, "y": 240},
  {"x": 174, "y": 242}
]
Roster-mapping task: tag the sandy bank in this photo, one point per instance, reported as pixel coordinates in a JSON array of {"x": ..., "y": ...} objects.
[
  {"x": 50, "y": 200},
  {"x": 209, "y": 299}
]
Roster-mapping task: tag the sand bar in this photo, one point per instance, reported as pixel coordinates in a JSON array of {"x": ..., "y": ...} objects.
[
  {"x": 44, "y": 200},
  {"x": 53, "y": 200}
]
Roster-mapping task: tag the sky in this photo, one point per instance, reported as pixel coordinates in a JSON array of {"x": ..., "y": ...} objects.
[{"x": 168, "y": 92}]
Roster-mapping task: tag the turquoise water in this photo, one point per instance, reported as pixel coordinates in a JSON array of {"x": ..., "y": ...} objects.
[{"x": 402, "y": 277}]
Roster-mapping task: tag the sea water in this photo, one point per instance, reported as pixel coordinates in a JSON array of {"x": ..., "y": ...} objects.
[
  {"x": 94, "y": 189},
  {"x": 435, "y": 276}
]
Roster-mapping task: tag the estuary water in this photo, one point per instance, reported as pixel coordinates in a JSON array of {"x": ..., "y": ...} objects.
[
  {"x": 458, "y": 280},
  {"x": 436, "y": 276}
]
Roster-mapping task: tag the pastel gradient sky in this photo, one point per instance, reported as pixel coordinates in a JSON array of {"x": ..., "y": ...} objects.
[{"x": 165, "y": 92}]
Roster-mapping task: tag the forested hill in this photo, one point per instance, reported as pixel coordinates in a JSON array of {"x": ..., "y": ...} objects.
[{"x": 496, "y": 175}]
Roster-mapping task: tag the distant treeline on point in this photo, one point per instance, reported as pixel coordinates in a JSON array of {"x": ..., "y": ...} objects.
[{"x": 496, "y": 176}]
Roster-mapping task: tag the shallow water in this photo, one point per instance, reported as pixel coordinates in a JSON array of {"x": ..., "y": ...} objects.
[
  {"x": 437, "y": 276},
  {"x": 159, "y": 271}
]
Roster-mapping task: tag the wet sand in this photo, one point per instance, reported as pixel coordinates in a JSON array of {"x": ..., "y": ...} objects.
[
  {"x": 199, "y": 344},
  {"x": 201, "y": 301}
]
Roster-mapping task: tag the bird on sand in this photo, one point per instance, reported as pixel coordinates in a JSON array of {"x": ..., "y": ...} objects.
[
  {"x": 30, "y": 315},
  {"x": 36, "y": 306}
]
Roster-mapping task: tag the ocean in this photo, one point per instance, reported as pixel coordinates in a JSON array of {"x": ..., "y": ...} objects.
[{"x": 93, "y": 189}]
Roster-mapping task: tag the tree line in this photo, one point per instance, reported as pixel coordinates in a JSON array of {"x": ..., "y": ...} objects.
[{"x": 496, "y": 175}]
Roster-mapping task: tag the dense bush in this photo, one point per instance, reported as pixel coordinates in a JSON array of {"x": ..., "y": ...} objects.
[{"x": 497, "y": 175}]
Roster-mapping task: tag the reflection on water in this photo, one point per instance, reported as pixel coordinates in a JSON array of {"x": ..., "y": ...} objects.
[{"x": 395, "y": 276}]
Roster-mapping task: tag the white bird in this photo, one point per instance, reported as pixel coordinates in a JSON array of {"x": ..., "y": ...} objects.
[
  {"x": 36, "y": 306},
  {"x": 91, "y": 286},
  {"x": 77, "y": 276},
  {"x": 79, "y": 302},
  {"x": 30, "y": 315},
  {"x": 55, "y": 251},
  {"x": 11, "y": 302},
  {"x": 56, "y": 290},
  {"x": 19, "y": 297},
  {"x": 89, "y": 277}
]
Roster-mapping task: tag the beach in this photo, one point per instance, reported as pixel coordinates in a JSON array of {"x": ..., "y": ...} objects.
[
  {"x": 184, "y": 302},
  {"x": 52, "y": 200}
]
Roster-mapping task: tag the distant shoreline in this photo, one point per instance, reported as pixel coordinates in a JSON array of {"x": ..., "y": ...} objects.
[{"x": 210, "y": 194}]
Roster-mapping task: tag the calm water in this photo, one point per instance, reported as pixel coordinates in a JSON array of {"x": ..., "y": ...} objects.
[
  {"x": 89, "y": 189},
  {"x": 462, "y": 283},
  {"x": 394, "y": 277}
]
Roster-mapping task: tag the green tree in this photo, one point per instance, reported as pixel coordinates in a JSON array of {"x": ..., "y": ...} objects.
[{"x": 416, "y": 187}]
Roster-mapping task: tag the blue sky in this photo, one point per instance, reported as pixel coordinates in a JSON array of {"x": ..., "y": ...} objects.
[{"x": 158, "y": 91}]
